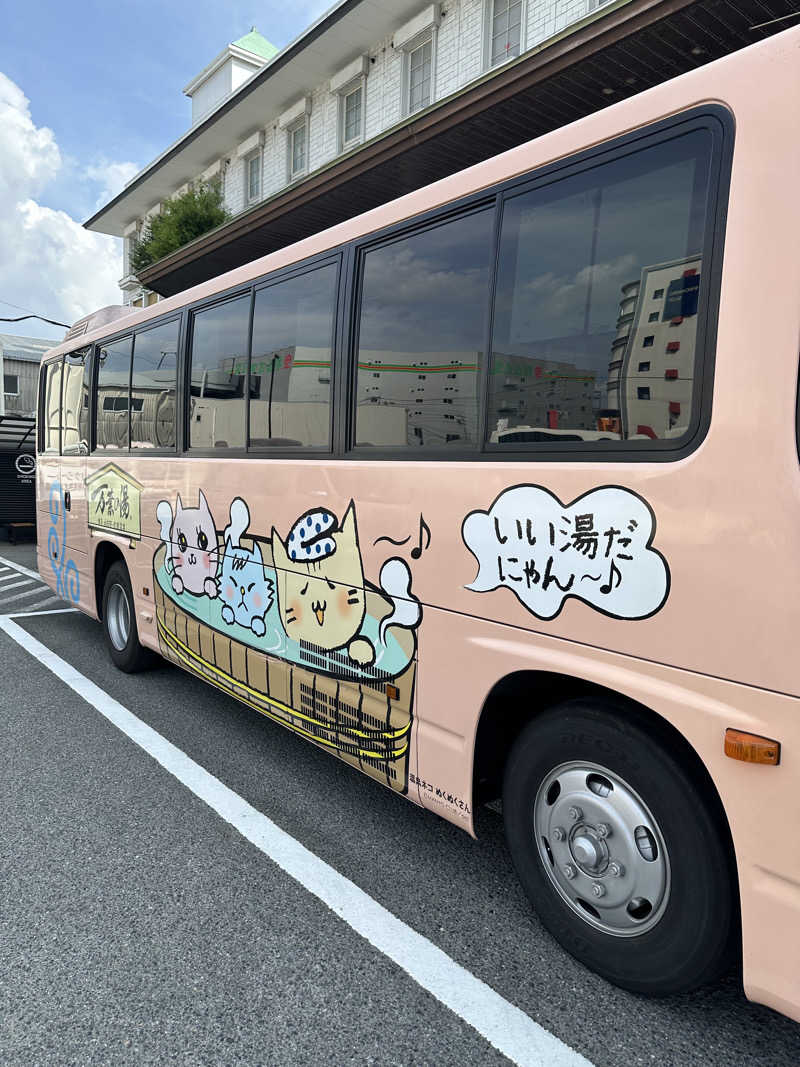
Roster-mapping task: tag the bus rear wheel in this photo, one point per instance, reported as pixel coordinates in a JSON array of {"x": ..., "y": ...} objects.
[
  {"x": 119, "y": 622},
  {"x": 618, "y": 850}
]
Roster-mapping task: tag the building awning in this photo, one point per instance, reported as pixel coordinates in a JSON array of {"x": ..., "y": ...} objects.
[
  {"x": 17, "y": 433},
  {"x": 630, "y": 48}
]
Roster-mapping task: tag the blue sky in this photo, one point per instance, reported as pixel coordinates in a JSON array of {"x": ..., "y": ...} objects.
[{"x": 106, "y": 80}]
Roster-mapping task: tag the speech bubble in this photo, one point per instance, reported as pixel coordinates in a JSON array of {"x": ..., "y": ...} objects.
[{"x": 597, "y": 549}]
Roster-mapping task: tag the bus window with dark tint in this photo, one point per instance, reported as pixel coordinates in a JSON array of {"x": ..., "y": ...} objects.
[
  {"x": 75, "y": 404},
  {"x": 154, "y": 381},
  {"x": 421, "y": 338},
  {"x": 219, "y": 370},
  {"x": 585, "y": 264},
  {"x": 290, "y": 369},
  {"x": 113, "y": 382},
  {"x": 51, "y": 411}
]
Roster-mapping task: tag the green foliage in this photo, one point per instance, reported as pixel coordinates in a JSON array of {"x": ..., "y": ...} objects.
[{"x": 181, "y": 220}]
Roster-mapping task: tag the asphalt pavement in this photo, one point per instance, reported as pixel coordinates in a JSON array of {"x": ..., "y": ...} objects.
[{"x": 138, "y": 926}]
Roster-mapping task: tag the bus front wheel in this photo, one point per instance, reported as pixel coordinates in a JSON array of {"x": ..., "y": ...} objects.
[
  {"x": 618, "y": 849},
  {"x": 119, "y": 622}
]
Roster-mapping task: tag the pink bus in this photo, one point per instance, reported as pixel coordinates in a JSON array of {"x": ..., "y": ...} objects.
[{"x": 478, "y": 491}]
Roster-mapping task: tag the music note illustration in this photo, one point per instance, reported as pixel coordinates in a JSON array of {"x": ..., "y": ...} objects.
[
  {"x": 606, "y": 587},
  {"x": 417, "y": 551}
]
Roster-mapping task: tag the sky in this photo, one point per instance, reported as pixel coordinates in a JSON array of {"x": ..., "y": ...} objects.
[{"x": 89, "y": 94}]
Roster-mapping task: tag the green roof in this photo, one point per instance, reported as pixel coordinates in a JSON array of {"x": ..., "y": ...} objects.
[{"x": 257, "y": 44}]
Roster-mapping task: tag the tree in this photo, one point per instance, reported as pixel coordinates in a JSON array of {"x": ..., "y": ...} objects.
[{"x": 183, "y": 218}]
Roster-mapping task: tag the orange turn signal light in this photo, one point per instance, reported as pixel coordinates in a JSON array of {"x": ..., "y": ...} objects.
[{"x": 752, "y": 748}]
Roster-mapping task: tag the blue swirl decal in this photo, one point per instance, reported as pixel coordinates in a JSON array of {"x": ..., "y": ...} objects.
[{"x": 68, "y": 582}]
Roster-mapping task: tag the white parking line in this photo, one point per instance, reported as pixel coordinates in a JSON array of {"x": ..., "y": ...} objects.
[
  {"x": 7, "y": 577},
  {"x": 17, "y": 585},
  {"x": 38, "y": 614},
  {"x": 18, "y": 567},
  {"x": 40, "y": 590},
  {"x": 502, "y": 1024}
]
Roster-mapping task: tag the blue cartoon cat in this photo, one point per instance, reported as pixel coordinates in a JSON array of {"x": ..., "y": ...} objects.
[{"x": 245, "y": 590}]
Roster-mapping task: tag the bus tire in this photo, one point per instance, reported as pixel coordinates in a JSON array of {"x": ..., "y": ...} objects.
[
  {"x": 119, "y": 622},
  {"x": 618, "y": 850}
]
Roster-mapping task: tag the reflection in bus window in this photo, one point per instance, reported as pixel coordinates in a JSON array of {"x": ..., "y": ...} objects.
[
  {"x": 290, "y": 383},
  {"x": 594, "y": 270},
  {"x": 75, "y": 404},
  {"x": 219, "y": 369},
  {"x": 52, "y": 408},
  {"x": 113, "y": 381},
  {"x": 153, "y": 386},
  {"x": 422, "y": 334}
]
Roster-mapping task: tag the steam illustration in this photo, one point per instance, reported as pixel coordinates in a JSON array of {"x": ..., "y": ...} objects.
[{"x": 395, "y": 581}]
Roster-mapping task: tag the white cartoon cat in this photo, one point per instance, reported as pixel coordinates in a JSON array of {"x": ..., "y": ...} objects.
[{"x": 192, "y": 551}]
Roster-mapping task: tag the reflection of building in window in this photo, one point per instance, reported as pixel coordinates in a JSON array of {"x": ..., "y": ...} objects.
[
  {"x": 535, "y": 396},
  {"x": 653, "y": 398},
  {"x": 424, "y": 398}
]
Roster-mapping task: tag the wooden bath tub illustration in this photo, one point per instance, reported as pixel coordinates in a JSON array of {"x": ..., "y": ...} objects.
[{"x": 362, "y": 713}]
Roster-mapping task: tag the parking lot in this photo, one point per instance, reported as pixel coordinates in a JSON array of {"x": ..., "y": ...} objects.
[{"x": 185, "y": 881}]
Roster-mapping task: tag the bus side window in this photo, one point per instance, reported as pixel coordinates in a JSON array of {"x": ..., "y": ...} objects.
[
  {"x": 113, "y": 382},
  {"x": 290, "y": 368},
  {"x": 424, "y": 299},
  {"x": 51, "y": 409},
  {"x": 218, "y": 372},
  {"x": 153, "y": 387},
  {"x": 594, "y": 270},
  {"x": 74, "y": 416}
]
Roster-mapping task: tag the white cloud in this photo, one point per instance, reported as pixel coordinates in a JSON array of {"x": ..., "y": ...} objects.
[
  {"x": 48, "y": 262},
  {"x": 111, "y": 177}
]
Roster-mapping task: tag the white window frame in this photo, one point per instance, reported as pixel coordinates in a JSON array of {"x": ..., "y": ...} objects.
[
  {"x": 359, "y": 84},
  {"x": 302, "y": 124},
  {"x": 488, "y": 21},
  {"x": 259, "y": 156},
  {"x": 428, "y": 37},
  {"x": 7, "y": 392}
]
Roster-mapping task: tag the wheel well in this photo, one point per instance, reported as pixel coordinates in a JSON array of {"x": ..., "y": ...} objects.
[
  {"x": 106, "y": 554},
  {"x": 518, "y": 698}
]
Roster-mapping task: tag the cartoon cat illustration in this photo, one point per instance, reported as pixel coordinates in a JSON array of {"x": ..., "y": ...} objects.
[
  {"x": 321, "y": 588},
  {"x": 192, "y": 552},
  {"x": 245, "y": 588}
]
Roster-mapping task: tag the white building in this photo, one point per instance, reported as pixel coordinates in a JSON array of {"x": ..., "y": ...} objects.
[{"x": 382, "y": 96}]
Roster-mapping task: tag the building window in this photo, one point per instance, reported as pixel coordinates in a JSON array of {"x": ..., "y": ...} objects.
[
  {"x": 505, "y": 30},
  {"x": 253, "y": 178},
  {"x": 648, "y": 341},
  {"x": 298, "y": 150},
  {"x": 420, "y": 65},
  {"x": 352, "y": 112},
  {"x": 11, "y": 384}
]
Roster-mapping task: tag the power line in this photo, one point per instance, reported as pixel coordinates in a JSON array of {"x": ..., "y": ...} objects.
[
  {"x": 22, "y": 318},
  {"x": 31, "y": 315}
]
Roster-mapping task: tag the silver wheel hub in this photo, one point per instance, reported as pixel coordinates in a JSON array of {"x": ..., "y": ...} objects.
[
  {"x": 602, "y": 849},
  {"x": 118, "y": 617}
]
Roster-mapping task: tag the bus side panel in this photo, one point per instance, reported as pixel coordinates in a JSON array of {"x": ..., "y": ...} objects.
[{"x": 462, "y": 658}]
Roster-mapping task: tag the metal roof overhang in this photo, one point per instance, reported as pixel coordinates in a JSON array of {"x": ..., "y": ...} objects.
[
  {"x": 17, "y": 432},
  {"x": 630, "y": 48}
]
